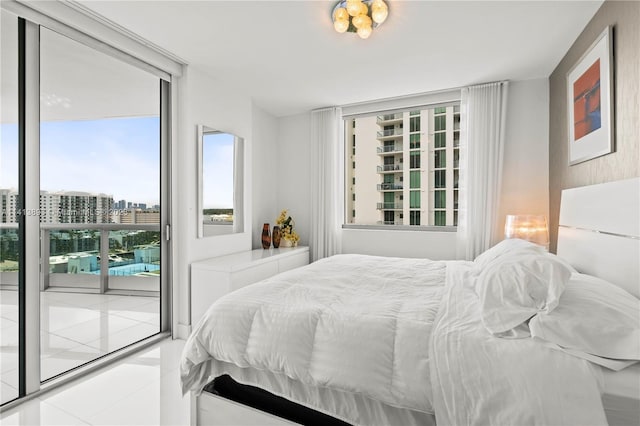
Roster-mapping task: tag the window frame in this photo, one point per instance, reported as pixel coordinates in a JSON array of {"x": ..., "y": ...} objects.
[{"x": 409, "y": 106}]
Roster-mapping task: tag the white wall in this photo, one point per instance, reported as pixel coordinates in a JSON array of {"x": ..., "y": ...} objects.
[
  {"x": 265, "y": 173},
  {"x": 525, "y": 184},
  {"x": 525, "y": 188},
  {"x": 203, "y": 100}
]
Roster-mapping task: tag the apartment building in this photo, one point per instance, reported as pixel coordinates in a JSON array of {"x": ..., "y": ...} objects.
[{"x": 403, "y": 167}]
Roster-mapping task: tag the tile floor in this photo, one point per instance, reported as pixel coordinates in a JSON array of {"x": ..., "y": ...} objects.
[
  {"x": 75, "y": 328},
  {"x": 143, "y": 389}
]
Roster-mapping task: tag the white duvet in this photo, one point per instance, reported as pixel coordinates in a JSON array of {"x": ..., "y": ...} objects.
[
  {"x": 362, "y": 325},
  {"x": 354, "y": 323}
]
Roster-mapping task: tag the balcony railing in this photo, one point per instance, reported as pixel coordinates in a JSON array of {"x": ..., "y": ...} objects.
[
  {"x": 389, "y": 186},
  {"x": 390, "y": 222},
  {"x": 102, "y": 257},
  {"x": 389, "y": 206},
  {"x": 385, "y": 118},
  {"x": 389, "y": 148},
  {"x": 390, "y": 132},
  {"x": 389, "y": 168}
]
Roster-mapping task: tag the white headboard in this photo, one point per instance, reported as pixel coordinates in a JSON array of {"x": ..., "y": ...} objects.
[{"x": 599, "y": 231}]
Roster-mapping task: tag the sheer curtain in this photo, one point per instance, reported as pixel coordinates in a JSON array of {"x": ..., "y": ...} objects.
[
  {"x": 482, "y": 128},
  {"x": 327, "y": 182}
]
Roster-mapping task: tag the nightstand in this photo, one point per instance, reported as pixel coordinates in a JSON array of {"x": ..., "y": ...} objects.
[{"x": 213, "y": 278}]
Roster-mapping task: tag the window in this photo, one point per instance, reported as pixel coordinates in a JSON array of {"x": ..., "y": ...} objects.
[
  {"x": 414, "y": 141},
  {"x": 414, "y": 124},
  {"x": 414, "y": 199},
  {"x": 440, "y": 180},
  {"x": 387, "y": 158},
  {"x": 414, "y": 160},
  {"x": 440, "y": 159},
  {"x": 440, "y": 218},
  {"x": 414, "y": 179},
  {"x": 414, "y": 218},
  {"x": 440, "y": 199}
]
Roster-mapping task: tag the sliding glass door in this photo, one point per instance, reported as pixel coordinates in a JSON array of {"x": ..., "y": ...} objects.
[
  {"x": 10, "y": 239},
  {"x": 83, "y": 191},
  {"x": 100, "y": 201}
]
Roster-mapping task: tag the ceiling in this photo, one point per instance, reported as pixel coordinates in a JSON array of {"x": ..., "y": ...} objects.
[{"x": 288, "y": 58}]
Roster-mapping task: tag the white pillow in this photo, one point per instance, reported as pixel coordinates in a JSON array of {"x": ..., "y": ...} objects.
[
  {"x": 516, "y": 287},
  {"x": 506, "y": 247},
  {"x": 593, "y": 316}
]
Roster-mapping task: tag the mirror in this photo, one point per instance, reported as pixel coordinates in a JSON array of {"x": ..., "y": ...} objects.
[{"x": 220, "y": 182}]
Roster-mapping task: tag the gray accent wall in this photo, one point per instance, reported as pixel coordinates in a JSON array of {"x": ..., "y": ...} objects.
[{"x": 624, "y": 163}]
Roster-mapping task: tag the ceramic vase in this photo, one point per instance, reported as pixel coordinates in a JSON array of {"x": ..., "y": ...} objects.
[
  {"x": 275, "y": 236},
  {"x": 266, "y": 236}
]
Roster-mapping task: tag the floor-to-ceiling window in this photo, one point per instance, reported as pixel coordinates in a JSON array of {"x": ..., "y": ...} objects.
[
  {"x": 100, "y": 201},
  {"x": 93, "y": 143},
  {"x": 9, "y": 229}
]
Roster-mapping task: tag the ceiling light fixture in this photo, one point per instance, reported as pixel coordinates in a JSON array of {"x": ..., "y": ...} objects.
[{"x": 359, "y": 16}]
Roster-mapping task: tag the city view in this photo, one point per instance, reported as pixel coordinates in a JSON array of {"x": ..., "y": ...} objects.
[
  {"x": 403, "y": 167},
  {"x": 77, "y": 251}
]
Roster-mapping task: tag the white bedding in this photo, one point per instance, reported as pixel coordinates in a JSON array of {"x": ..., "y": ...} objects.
[
  {"x": 362, "y": 325},
  {"x": 481, "y": 379},
  {"x": 358, "y": 324}
]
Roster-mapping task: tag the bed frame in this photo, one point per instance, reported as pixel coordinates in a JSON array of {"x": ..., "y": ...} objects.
[
  {"x": 599, "y": 231},
  {"x": 599, "y": 235}
]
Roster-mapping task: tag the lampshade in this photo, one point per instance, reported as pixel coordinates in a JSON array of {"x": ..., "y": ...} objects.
[
  {"x": 527, "y": 227},
  {"x": 359, "y": 16}
]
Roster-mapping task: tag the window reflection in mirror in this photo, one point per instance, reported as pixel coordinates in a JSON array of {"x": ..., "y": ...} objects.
[{"x": 220, "y": 179}]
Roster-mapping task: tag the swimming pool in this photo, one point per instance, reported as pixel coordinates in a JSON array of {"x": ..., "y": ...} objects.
[{"x": 132, "y": 269}]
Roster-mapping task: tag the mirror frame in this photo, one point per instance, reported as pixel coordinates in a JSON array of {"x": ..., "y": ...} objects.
[{"x": 238, "y": 181}]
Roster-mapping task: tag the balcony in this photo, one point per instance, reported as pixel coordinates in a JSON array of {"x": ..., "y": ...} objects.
[
  {"x": 387, "y": 134},
  {"x": 390, "y": 149},
  {"x": 390, "y": 222},
  {"x": 387, "y": 119},
  {"x": 390, "y": 187},
  {"x": 389, "y": 206},
  {"x": 390, "y": 168}
]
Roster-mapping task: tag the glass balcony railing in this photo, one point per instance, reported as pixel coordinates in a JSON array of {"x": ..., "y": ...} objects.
[
  {"x": 390, "y": 132},
  {"x": 101, "y": 257},
  {"x": 389, "y": 187},
  {"x": 389, "y": 148},
  {"x": 389, "y": 168},
  {"x": 385, "y": 118},
  {"x": 390, "y": 222},
  {"x": 389, "y": 206}
]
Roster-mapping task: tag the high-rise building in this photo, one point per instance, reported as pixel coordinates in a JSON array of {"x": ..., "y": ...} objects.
[
  {"x": 402, "y": 168},
  {"x": 60, "y": 207}
]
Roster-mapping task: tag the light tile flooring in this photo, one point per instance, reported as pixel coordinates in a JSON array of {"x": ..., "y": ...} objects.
[
  {"x": 75, "y": 328},
  {"x": 143, "y": 389}
]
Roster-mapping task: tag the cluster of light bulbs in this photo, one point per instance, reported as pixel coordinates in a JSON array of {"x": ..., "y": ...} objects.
[{"x": 359, "y": 16}]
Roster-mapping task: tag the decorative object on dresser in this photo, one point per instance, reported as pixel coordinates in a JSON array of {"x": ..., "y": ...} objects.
[
  {"x": 288, "y": 237},
  {"x": 527, "y": 227},
  {"x": 266, "y": 236},
  {"x": 590, "y": 101},
  {"x": 275, "y": 236}
]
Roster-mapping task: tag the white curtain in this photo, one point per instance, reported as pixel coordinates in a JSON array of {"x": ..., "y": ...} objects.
[
  {"x": 482, "y": 128},
  {"x": 327, "y": 182}
]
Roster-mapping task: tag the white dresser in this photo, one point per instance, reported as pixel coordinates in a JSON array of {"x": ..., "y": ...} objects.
[{"x": 213, "y": 278}]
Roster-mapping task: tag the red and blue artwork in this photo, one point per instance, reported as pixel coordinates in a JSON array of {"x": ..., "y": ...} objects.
[{"x": 586, "y": 102}]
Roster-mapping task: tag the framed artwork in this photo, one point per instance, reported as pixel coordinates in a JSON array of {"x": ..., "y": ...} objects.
[{"x": 590, "y": 102}]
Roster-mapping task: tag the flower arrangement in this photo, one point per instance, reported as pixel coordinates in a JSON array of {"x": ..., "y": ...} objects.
[{"x": 289, "y": 237}]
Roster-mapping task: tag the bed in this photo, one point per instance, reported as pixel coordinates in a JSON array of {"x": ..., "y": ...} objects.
[{"x": 371, "y": 340}]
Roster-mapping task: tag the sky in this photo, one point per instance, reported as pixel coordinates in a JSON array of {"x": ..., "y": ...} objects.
[
  {"x": 115, "y": 156},
  {"x": 217, "y": 170}
]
